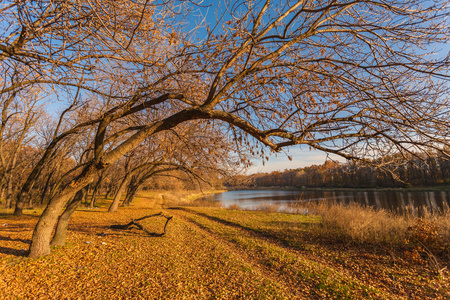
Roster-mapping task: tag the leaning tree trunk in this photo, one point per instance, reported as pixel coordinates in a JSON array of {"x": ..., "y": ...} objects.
[
  {"x": 47, "y": 185},
  {"x": 40, "y": 242},
  {"x": 134, "y": 187},
  {"x": 122, "y": 186},
  {"x": 88, "y": 191},
  {"x": 111, "y": 190},
  {"x": 22, "y": 195},
  {"x": 96, "y": 190},
  {"x": 131, "y": 193},
  {"x": 63, "y": 221},
  {"x": 92, "y": 202}
]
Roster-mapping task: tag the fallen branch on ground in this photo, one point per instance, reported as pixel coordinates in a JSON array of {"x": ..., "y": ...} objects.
[{"x": 135, "y": 223}]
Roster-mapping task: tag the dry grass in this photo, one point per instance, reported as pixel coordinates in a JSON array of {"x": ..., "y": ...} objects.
[
  {"x": 268, "y": 208},
  {"x": 404, "y": 271},
  {"x": 362, "y": 224},
  {"x": 234, "y": 207},
  {"x": 440, "y": 220},
  {"x": 173, "y": 198}
]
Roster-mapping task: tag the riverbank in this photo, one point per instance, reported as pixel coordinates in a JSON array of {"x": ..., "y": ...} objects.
[
  {"x": 296, "y": 188},
  {"x": 212, "y": 252}
]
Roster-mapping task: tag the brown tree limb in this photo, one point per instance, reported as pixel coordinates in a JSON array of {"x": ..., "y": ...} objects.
[{"x": 135, "y": 223}]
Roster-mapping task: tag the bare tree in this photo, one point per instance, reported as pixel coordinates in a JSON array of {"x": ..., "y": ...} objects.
[
  {"x": 192, "y": 149},
  {"x": 20, "y": 111},
  {"x": 356, "y": 78}
]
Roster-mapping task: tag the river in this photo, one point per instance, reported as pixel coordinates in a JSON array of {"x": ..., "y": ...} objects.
[{"x": 397, "y": 201}]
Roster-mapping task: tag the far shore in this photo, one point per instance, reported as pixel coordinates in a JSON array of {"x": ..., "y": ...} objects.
[{"x": 295, "y": 188}]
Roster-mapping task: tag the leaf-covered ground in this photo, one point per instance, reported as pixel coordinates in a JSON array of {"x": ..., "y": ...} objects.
[{"x": 210, "y": 253}]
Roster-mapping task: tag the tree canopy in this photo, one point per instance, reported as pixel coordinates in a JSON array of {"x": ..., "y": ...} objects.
[{"x": 360, "y": 79}]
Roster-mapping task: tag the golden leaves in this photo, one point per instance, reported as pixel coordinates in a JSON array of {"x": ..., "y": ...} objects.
[
  {"x": 172, "y": 38},
  {"x": 207, "y": 253}
]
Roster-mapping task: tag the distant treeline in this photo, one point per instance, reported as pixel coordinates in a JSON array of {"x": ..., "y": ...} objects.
[{"x": 429, "y": 171}]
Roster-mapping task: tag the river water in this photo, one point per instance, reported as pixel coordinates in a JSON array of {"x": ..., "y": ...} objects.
[{"x": 397, "y": 201}]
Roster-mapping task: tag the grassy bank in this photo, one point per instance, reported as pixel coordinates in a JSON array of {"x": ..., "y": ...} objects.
[
  {"x": 167, "y": 199},
  {"x": 212, "y": 252}
]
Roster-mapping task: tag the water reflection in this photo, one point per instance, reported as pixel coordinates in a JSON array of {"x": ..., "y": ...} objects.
[{"x": 397, "y": 201}]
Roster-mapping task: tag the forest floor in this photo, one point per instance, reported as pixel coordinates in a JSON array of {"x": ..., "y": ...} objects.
[{"x": 210, "y": 253}]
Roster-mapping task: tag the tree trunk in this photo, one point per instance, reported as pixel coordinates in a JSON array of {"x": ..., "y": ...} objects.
[
  {"x": 47, "y": 184},
  {"x": 96, "y": 190},
  {"x": 18, "y": 211},
  {"x": 134, "y": 186},
  {"x": 115, "y": 203},
  {"x": 130, "y": 195},
  {"x": 63, "y": 221},
  {"x": 88, "y": 191},
  {"x": 40, "y": 242},
  {"x": 30, "y": 199},
  {"x": 22, "y": 195},
  {"x": 10, "y": 192},
  {"x": 9, "y": 184},
  {"x": 8, "y": 200},
  {"x": 92, "y": 202},
  {"x": 111, "y": 189},
  {"x": 3, "y": 193}
]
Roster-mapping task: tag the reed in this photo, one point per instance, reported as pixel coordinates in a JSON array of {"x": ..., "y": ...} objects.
[{"x": 365, "y": 224}]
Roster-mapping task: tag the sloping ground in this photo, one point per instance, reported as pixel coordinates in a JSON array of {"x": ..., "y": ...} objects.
[
  {"x": 332, "y": 268},
  {"x": 206, "y": 253}
]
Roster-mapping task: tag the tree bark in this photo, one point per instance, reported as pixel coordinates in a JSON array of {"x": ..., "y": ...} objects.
[
  {"x": 122, "y": 186},
  {"x": 8, "y": 200},
  {"x": 92, "y": 202},
  {"x": 9, "y": 184},
  {"x": 111, "y": 190},
  {"x": 96, "y": 189},
  {"x": 88, "y": 191},
  {"x": 9, "y": 193},
  {"x": 63, "y": 221},
  {"x": 30, "y": 199},
  {"x": 23, "y": 194},
  {"x": 2, "y": 192},
  {"x": 47, "y": 184},
  {"x": 130, "y": 195},
  {"x": 18, "y": 211},
  {"x": 40, "y": 242}
]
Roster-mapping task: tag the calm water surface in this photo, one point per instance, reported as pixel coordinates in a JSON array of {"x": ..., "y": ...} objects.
[{"x": 391, "y": 200}]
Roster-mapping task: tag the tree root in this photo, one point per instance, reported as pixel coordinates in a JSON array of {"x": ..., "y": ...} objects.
[{"x": 135, "y": 223}]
